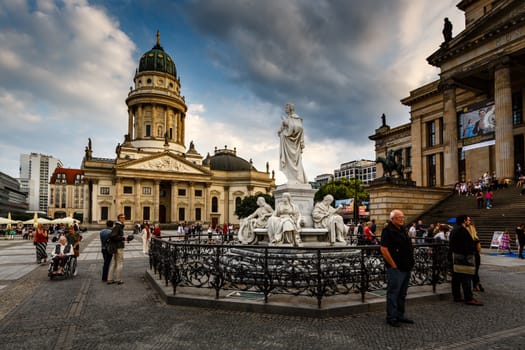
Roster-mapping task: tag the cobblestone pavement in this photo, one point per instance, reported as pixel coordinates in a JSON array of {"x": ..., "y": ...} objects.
[{"x": 84, "y": 313}]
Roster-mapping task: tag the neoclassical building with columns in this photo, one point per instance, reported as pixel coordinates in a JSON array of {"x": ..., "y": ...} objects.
[
  {"x": 155, "y": 176},
  {"x": 470, "y": 120}
]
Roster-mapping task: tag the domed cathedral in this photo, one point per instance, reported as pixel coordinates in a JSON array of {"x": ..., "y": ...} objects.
[
  {"x": 469, "y": 121},
  {"x": 155, "y": 177}
]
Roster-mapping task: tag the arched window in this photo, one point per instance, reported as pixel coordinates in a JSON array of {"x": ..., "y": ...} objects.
[{"x": 214, "y": 204}]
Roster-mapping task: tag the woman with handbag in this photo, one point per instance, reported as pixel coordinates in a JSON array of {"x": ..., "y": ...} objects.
[
  {"x": 463, "y": 248},
  {"x": 40, "y": 242}
]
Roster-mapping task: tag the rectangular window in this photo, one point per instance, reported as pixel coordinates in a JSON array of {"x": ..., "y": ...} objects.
[
  {"x": 408, "y": 152},
  {"x": 198, "y": 212},
  {"x": 432, "y": 170},
  {"x": 431, "y": 134},
  {"x": 198, "y": 193},
  {"x": 104, "y": 190},
  {"x": 517, "y": 108},
  {"x": 145, "y": 213},
  {"x": 182, "y": 214},
  {"x": 104, "y": 213},
  {"x": 127, "y": 212},
  {"x": 128, "y": 190},
  {"x": 182, "y": 192},
  {"x": 146, "y": 190},
  {"x": 148, "y": 130}
]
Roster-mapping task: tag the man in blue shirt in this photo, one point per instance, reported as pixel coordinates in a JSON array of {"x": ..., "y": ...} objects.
[{"x": 104, "y": 235}]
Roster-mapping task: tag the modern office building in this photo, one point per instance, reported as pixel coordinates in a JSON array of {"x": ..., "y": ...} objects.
[
  {"x": 363, "y": 169},
  {"x": 12, "y": 199},
  {"x": 35, "y": 172}
]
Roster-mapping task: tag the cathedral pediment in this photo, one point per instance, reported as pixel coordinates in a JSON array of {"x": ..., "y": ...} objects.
[{"x": 163, "y": 163}]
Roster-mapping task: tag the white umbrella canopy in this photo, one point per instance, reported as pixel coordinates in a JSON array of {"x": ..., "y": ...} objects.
[
  {"x": 67, "y": 221},
  {"x": 8, "y": 221},
  {"x": 37, "y": 221}
]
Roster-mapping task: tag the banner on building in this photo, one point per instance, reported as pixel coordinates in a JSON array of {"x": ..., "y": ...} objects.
[{"x": 476, "y": 124}]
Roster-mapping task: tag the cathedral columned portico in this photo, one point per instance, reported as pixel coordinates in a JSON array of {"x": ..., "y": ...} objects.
[{"x": 155, "y": 177}]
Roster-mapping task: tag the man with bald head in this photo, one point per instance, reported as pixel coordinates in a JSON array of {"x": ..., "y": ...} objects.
[{"x": 396, "y": 248}]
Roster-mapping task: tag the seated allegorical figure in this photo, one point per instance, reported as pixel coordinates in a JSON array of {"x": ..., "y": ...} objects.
[
  {"x": 258, "y": 219},
  {"x": 285, "y": 224},
  {"x": 326, "y": 216},
  {"x": 60, "y": 255}
]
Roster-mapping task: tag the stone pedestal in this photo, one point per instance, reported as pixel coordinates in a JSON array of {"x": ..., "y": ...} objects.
[{"x": 302, "y": 196}]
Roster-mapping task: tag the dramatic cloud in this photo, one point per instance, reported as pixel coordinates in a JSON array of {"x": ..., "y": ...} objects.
[{"x": 66, "y": 67}]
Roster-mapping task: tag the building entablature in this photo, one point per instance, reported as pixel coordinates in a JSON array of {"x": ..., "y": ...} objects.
[{"x": 493, "y": 27}]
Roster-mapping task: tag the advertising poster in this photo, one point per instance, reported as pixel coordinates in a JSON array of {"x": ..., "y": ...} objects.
[{"x": 476, "y": 124}]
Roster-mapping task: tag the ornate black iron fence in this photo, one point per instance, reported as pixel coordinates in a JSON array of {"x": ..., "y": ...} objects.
[{"x": 314, "y": 272}]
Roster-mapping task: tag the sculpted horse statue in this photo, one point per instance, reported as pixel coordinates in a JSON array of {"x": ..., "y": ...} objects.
[{"x": 392, "y": 163}]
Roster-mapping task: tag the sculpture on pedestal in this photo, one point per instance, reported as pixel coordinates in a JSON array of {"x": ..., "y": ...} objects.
[
  {"x": 258, "y": 219},
  {"x": 284, "y": 226},
  {"x": 326, "y": 216},
  {"x": 291, "y": 136}
]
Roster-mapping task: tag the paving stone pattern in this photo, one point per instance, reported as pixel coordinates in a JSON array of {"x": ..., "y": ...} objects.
[{"x": 85, "y": 313}]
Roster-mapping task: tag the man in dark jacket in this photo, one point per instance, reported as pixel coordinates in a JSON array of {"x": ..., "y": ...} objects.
[
  {"x": 117, "y": 241},
  {"x": 462, "y": 244},
  {"x": 396, "y": 248},
  {"x": 104, "y": 235}
]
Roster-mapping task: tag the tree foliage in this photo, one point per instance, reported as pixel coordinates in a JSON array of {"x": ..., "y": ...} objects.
[
  {"x": 249, "y": 204},
  {"x": 343, "y": 189}
]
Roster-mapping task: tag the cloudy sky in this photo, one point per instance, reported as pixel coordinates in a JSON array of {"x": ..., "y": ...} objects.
[{"x": 66, "y": 68}]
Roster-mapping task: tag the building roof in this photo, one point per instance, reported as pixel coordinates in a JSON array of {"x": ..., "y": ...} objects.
[
  {"x": 157, "y": 60},
  {"x": 70, "y": 175},
  {"x": 227, "y": 160}
]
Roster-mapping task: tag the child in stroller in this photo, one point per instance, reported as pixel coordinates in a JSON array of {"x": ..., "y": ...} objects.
[{"x": 63, "y": 261}]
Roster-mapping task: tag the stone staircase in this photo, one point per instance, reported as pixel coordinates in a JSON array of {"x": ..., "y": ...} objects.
[{"x": 506, "y": 213}]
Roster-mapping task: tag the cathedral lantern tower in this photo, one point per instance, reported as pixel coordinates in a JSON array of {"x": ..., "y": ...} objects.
[{"x": 156, "y": 110}]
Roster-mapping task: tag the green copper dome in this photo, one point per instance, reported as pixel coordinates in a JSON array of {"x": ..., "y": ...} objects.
[{"x": 157, "y": 60}]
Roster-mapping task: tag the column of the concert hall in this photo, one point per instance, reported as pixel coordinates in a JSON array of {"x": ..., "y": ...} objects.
[
  {"x": 450, "y": 133},
  {"x": 503, "y": 131}
]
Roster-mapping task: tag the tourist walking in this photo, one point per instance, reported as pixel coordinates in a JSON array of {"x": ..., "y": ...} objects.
[
  {"x": 476, "y": 285},
  {"x": 40, "y": 242},
  {"x": 104, "y": 235},
  {"x": 462, "y": 248},
  {"x": 146, "y": 235},
  {"x": 117, "y": 242},
  {"x": 397, "y": 250},
  {"x": 505, "y": 242}
]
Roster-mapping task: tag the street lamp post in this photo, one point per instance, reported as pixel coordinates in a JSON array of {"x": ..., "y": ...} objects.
[{"x": 356, "y": 188}]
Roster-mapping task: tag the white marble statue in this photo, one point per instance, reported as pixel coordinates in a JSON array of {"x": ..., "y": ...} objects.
[
  {"x": 284, "y": 226},
  {"x": 326, "y": 216},
  {"x": 258, "y": 219},
  {"x": 291, "y": 136}
]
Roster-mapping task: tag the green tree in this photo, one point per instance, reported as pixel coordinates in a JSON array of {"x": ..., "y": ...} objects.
[
  {"x": 342, "y": 189},
  {"x": 249, "y": 204}
]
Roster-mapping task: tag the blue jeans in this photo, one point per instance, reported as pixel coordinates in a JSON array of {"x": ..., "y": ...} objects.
[
  {"x": 396, "y": 293},
  {"x": 107, "y": 260}
]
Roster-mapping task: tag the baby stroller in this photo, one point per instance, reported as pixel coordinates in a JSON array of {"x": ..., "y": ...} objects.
[{"x": 69, "y": 270}]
